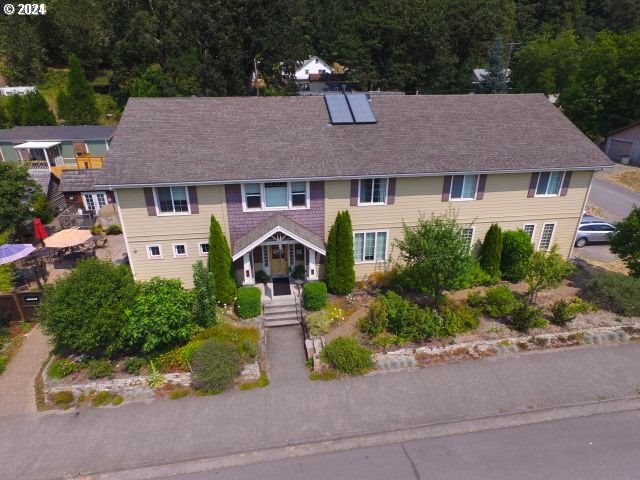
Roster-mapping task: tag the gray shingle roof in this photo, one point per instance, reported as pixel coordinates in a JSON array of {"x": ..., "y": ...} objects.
[
  {"x": 199, "y": 140},
  {"x": 77, "y": 180},
  {"x": 60, "y": 133},
  {"x": 42, "y": 178},
  {"x": 277, "y": 220}
]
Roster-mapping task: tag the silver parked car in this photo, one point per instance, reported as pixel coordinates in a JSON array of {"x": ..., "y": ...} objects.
[{"x": 593, "y": 230}]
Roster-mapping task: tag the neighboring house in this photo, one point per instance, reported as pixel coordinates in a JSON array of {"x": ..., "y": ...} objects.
[
  {"x": 49, "y": 150},
  {"x": 479, "y": 74},
  {"x": 624, "y": 142},
  {"x": 275, "y": 171},
  {"x": 316, "y": 76},
  {"x": 312, "y": 65},
  {"x": 78, "y": 189}
]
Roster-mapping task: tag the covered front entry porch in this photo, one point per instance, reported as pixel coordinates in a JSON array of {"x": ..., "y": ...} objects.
[{"x": 280, "y": 248}]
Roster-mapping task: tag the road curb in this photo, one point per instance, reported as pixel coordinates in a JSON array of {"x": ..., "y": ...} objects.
[{"x": 444, "y": 429}]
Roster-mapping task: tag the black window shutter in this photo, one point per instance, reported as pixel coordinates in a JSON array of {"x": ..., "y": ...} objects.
[
  {"x": 354, "y": 193},
  {"x": 482, "y": 181},
  {"x": 391, "y": 193},
  {"x": 193, "y": 199},
  {"x": 565, "y": 184},
  {"x": 446, "y": 188},
  {"x": 533, "y": 184}
]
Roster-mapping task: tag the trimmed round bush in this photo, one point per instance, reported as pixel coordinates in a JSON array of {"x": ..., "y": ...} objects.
[
  {"x": 133, "y": 365},
  {"x": 458, "y": 318},
  {"x": 347, "y": 356},
  {"x": 516, "y": 251},
  {"x": 314, "y": 295},
  {"x": 499, "y": 301},
  {"x": 525, "y": 316},
  {"x": 248, "y": 302},
  {"x": 318, "y": 322},
  {"x": 100, "y": 369},
  {"x": 215, "y": 366}
]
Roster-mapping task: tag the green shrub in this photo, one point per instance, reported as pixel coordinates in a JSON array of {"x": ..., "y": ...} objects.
[
  {"x": 561, "y": 313},
  {"x": 117, "y": 400},
  {"x": 499, "y": 301},
  {"x": 248, "y": 302},
  {"x": 318, "y": 322},
  {"x": 204, "y": 295},
  {"x": 215, "y": 366},
  {"x": 626, "y": 242},
  {"x": 299, "y": 272},
  {"x": 245, "y": 339},
  {"x": 221, "y": 264},
  {"x": 84, "y": 311},
  {"x": 102, "y": 398},
  {"x": 262, "y": 276},
  {"x": 516, "y": 251},
  {"x": 314, "y": 295},
  {"x": 376, "y": 320},
  {"x": 63, "y": 367},
  {"x": 133, "y": 365},
  {"x": 113, "y": 230},
  {"x": 491, "y": 251},
  {"x": 458, "y": 318},
  {"x": 525, "y": 316},
  {"x": 178, "y": 393},
  {"x": 96, "y": 229},
  {"x": 472, "y": 276},
  {"x": 63, "y": 398},
  {"x": 4, "y": 360},
  {"x": 578, "y": 305},
  {"x": 475, "y": 300},
  {"x": 616, "y": 292},
  {"x": 161, "y": 316},
  {"x": 339, "y": 272},
  {"x": 410, "y": 322},
  {"x": 100, "y": 369},
  {"x": 347, "y": 356}
]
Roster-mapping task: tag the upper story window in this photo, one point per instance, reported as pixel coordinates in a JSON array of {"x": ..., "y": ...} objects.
[
  {"x": 549, "y": 184},
  {"x": 372, "y": 191},
  {"x": 275, "y": 195},
  {"x": 172, "y": 200},
  {"x": 463, "y": 187}
]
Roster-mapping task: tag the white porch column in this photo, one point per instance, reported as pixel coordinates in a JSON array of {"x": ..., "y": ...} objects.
[
  {"x": 312, "y": 274},
  {"x": 248, "y": 278}
]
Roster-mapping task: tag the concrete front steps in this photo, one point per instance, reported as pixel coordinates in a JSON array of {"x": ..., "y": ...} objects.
[{"x": 280, "y": 312}]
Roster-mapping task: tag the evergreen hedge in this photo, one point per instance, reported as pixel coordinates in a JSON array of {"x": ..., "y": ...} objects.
[
  {"x": 220, "y": 264},
  {"x": 314, "y": 295},
  {"x": 248, "y": 302},
  {"x": 516, "y": 252},
  {"x": 491, "y": 251},
  {"x": 339, "y": 272}
]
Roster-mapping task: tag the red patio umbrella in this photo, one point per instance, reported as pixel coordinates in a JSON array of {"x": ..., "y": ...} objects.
[{"x": 39, "y": 230}]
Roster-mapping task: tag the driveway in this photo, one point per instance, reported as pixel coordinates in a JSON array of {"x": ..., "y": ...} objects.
[{"x": 615, "y": 201}]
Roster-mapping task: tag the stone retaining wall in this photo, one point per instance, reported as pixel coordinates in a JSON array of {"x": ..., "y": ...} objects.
[
  {"x": 409, "y": 357},
  {"x": 134, "y": 387}
]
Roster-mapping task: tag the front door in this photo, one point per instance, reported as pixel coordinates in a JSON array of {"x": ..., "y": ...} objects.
[{"x": 279, "y": 264}]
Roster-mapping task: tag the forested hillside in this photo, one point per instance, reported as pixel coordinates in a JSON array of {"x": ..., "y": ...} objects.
[{"x": 587, "y": 51}]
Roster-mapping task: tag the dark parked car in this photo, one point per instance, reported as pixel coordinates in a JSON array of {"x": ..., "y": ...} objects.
[{"x": 593, "y": 230}]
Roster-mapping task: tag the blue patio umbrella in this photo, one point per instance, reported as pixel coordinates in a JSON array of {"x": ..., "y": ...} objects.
[{"x": 12, "y": 252}]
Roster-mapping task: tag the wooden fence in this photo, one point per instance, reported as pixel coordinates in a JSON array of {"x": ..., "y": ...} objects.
[{"x": 19, "y": 306}]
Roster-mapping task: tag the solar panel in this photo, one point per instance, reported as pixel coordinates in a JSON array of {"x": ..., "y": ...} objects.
[
  {"x": 361, "y": 108},
  {"x": 338, "y": 109}
]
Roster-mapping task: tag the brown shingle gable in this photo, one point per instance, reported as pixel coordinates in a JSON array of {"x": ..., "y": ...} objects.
[{"x": 182, "y": 140}]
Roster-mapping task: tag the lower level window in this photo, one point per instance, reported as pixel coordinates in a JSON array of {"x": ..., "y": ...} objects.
[
  {"x": 179, "y": 250},
  {"x": 203, "y": 247},
  {"x": 467, "y": 234},
  {"x": 546, "y": 236},
  {"x": 530, "y": 228},
  {"x": 153, "y": 251},
  {"x": 370, "y": 246}
]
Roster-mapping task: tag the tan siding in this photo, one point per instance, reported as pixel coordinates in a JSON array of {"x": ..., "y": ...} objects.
[
  {"x": 505, "y": 202},
  {"x": 165, "y": 230}
]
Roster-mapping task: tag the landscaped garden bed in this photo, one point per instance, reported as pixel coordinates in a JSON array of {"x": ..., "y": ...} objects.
[{"x": 444, "y": 302}]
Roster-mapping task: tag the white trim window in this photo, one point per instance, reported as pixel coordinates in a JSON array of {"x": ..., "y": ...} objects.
[
  {"x": 94, "y": 201},
  {"x": 370, "y": 246},
  {"x": 546, "y": 236},
  {"x": 530, "y": 229},
  {"x": 372, "y": 191},
  {"x": 463, "y": 187},
  {"x": 467, "y": 234},
  {"x": 203, "y": 249},
  {"x": 549, "y": 184},
  {"x": 275, "y": 196},
  {"x": 154, "y": 252},
  {"x": 172, "y": 200},
  {"x": 179, "y": 250}
]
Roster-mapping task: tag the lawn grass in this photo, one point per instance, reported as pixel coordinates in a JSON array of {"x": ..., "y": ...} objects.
[
  {"x": 324, "y": 376},
  {"x": 262, "y": 382}
]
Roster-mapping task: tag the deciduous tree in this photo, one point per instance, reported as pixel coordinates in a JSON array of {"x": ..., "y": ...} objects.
[
  {"x": 626, "y": 241},
  {"x": 546, "y": 270}
]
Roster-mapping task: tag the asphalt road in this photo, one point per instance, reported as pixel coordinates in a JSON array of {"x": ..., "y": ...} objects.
[
  {"x": 596, "y": 447},
  {"x": 614, "y": 199}
]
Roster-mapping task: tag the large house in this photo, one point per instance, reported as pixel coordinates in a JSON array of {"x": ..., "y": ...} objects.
[
  {"x": 275, "y": 171},
  {"x": 50, "y": 151}
]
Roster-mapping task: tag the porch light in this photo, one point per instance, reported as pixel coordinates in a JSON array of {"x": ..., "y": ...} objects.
[{"x": 247, "y": 273}]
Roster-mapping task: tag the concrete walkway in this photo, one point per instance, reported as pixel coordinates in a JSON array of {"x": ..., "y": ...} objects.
[
  {"x": 17, "y": 391},
  {"x": 286, "y": 356},
  {"x": 290, "y": 412}
]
